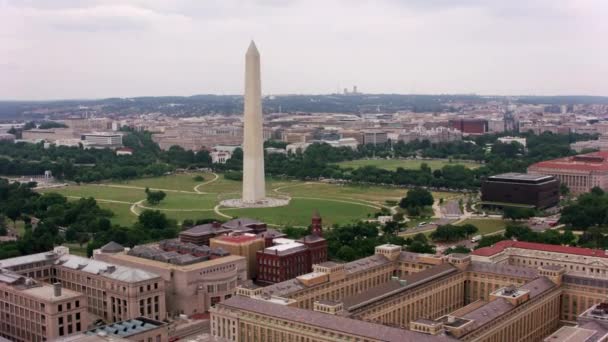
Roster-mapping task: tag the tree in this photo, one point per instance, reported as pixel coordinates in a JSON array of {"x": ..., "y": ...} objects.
[
  {"x": 154, "y": 197},
  {"x": 489, "y": 240},
  {"x": 515, "y": 213},
  {"x": 198, "y": 178},
  {"x": 391, "y": 227},
  {"x": 13, "y": 212},
  {"x": 417, "y": 197},
  {"x": 295, "y": 232},
  {"x": 346, "y": 253},
  {"x": 563, "y": 189},
  {"x": 458, "y": 249}
]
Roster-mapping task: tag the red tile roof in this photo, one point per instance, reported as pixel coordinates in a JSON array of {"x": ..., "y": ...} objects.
[
  {"x": 502, "y": 245},
  {"x": 597, "y": 161}
]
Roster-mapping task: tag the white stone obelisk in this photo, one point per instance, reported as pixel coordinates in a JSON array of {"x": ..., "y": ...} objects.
[{"x": 254, "y": 186}]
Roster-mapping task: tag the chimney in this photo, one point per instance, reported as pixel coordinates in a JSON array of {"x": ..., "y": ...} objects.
[{"x": 57, "y": 289}]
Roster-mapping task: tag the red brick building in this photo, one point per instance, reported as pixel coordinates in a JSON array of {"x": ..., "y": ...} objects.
[
  {"x": 470, "y": 126},
  {"x": 287, "y": 258}
]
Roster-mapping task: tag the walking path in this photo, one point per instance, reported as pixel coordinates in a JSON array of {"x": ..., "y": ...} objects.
[{"x": 216, "y": 177}]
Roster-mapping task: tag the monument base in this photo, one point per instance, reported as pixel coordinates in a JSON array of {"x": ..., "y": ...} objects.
[{"x": 267, "y": 202}]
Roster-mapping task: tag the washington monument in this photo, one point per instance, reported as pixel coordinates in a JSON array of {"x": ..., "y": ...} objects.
[{"x": 254, "y": 185}]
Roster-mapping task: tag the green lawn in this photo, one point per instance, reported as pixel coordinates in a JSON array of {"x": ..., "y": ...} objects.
[
  {"x": 122, "y": 213},
  {"x": 179, "y": 201},
  {"x": 337, "y": 203},
  {"x": 393, "y": 164},
  {"x": 486, "y": 226},
  {"x": 299, "y": 212},
  {"x": 99, "y": 191},
  {"x": 183, "y": 182}
]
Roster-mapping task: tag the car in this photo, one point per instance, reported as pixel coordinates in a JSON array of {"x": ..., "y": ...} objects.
[{"x": 422, "y": 224}]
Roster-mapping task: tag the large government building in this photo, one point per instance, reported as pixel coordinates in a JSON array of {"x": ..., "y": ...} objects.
[
  {"x": 579, "y": 173},
  {"x": 492, "y": 295}
]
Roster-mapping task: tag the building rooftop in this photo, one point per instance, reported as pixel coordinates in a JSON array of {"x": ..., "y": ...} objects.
[
  {"x": 362, "y": 329},
  {"x": 47, "y": 292},
  {"x": 515, "y": 176},
  {"x": 115, "y": 272},
  {"x": 241, "y": 222},
  {"x": 27, "y": 259},
  {"x": 595, "y": 161},
  {"x": 503, "y": 269},
  {"x": 502, "y": 245},
  {"x": 127, "y": 328},
  {"x": 205, "y": 229},
  {"x": 185, "y": 268},
  {"x": 290, "y": 286},
  {"x": 390, "y": 288},
  {"x": 286, "y": 248},
  {"x": 112, "y": 247},
  {"x": 237, "y": 239}
]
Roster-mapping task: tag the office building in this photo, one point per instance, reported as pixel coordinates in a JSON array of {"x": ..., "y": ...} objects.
[
  {"x": 113, "y": 292},
  {"x": 246, "y": 245},
  {"x": 374, "y": 137},
  {"x": 102, "y": 139},
  {"x": 196, "y": 277},
  {"x": 35, "y": 311},
  {"x": 520, "y": 189},
  {"x": 403, "y": 296},
  {"x": 286, "y": 258},
  {"x": 470, "y": 126},
  {"x": 579, "y": 173}
]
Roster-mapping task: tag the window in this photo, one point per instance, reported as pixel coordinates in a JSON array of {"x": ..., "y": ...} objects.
[
  {"x": 60, "y": 308},
  {"x": 77, "y": 304},
  {"x": 60, "y": 320}
]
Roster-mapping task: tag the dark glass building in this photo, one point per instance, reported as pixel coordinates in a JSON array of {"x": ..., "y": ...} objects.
[{"x": 537, "y": 191}]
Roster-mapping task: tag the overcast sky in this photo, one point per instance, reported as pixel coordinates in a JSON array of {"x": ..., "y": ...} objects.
[{"x": 52, "y": 49}]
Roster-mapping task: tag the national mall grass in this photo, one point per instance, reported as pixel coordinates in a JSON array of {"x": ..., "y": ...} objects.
[
  {"x": 188, "y": 199},
  {"x": 393, "y": 164}
]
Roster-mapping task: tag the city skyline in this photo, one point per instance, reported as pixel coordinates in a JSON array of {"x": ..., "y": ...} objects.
[{"x": 99, "y": 49}]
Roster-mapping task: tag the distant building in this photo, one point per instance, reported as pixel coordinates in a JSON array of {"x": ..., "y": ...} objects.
[
  {"x": 508, "y": 140},
  {"x": 374, "y": 137},
  {"x": 7, "y": 137},
  {"x": 538, "y": 191},
  {"x": 351, "y": 143},
  {"x": 220, "y": 157},
  {"x": 470, "y": 126},
  {"x": 295, "y": 147},
  {"x": 124, "y": 151},
  {"x": 102, "y": 139},
  {"x": 579, "y": 173},
  {"x": 601, "y": 144},
  {"x": 274, "y": 150}
]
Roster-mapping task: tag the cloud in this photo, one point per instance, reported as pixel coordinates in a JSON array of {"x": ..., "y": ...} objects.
[{"x": 99, "y": 48}]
